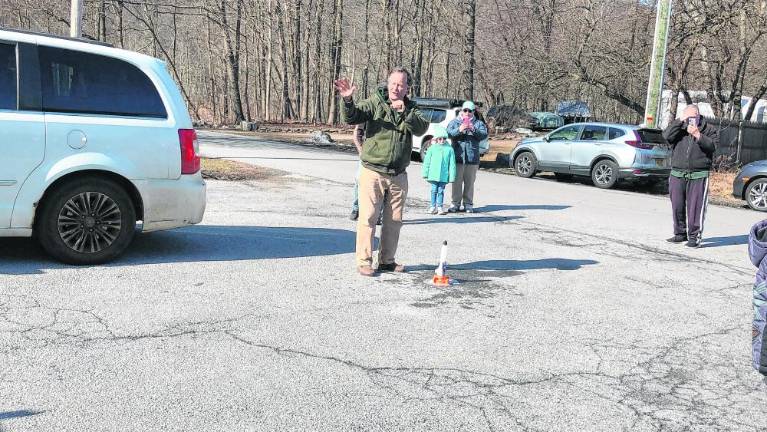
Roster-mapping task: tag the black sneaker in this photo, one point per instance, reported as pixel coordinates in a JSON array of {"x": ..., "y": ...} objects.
[
  {"x": 354, "y": 215},
  {"x": 693, "y": 243},
  {"x": 678, "y": 238}
]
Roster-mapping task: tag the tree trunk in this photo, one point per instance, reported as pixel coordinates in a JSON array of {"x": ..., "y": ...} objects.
[
  {"x": 468, "y": 50},
  {"x": 232, "y": 45},
  {"x": 335, "y": 54}
]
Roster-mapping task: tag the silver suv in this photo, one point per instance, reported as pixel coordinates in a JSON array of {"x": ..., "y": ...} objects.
[{"x": 605, "y": 152}]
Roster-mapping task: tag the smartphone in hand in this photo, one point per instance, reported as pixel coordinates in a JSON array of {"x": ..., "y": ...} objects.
[{"x": 468, "y": 126}]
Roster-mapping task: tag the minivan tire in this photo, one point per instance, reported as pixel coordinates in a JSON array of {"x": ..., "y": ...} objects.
[
  {"x": 525, "y": 164},
  {"x": 67, "y": 232},
  {"x": 604, "y": 174}
]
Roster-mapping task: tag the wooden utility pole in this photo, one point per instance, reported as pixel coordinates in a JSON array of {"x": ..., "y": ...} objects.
[
  {"x": 658, "y": 65},
  {"x": 76, "y": 19}
]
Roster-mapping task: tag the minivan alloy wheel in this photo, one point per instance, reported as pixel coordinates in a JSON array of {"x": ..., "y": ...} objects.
[{"x": 89, "y": 222}]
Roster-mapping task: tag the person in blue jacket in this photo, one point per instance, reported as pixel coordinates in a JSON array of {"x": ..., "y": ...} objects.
[
  {"x": 757, "y": 251},
  {"x": 466, "y": 131},
  {"x": 439, "y": 168}
]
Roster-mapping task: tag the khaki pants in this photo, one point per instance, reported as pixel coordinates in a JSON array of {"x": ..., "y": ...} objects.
[
  {"x": 463, "y": 186},
  {"x": 372, "y": 187}
]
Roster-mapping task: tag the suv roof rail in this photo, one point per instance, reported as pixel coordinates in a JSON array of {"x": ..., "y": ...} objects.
[
  {"x": 441, "y": 102},
  {"x": 34, "y": 33}
]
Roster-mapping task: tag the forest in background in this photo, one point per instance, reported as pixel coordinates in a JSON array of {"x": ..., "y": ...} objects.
[{"x": 272, "y": 60}]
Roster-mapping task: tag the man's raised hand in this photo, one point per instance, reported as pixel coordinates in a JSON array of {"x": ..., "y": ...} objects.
[{"x": 344, "y": 88}]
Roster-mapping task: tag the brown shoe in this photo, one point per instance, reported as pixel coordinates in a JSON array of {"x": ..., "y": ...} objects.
[
  {"x": 366, "y": 270},
  {"x": 393, "y": 267}
]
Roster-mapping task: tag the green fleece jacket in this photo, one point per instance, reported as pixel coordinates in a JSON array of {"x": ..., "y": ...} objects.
[{"x": 388, "y": 134}]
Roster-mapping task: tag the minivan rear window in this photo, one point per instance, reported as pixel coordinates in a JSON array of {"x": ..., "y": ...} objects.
[
  {"x": 77, "y": 82},
  {"x": 652, "y": 136},
  {"x": 8, "y": 81}
]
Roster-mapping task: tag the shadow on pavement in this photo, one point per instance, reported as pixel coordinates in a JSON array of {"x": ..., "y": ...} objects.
[
  {"x": 460, "y": 219},
  {"x": 496, "y": 207},
  {"x": 194, "y": 244},
  {"x": 724, "y": 241},
  {"x": 513, "y": 266},
  {"x": 7, "y": 415}
]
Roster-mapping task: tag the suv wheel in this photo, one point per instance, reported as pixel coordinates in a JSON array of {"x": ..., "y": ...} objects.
[
  {"x": 756, "y": 195},
  {"x": 525, "y": 164},
  {"x": 604, "y": 174},
  {"x": 87, "y": 221}
]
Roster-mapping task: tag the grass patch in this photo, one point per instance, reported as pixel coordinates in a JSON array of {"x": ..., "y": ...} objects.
[
  {"x": 720, "y": 188},
  {"x": 223, "y": 169}
]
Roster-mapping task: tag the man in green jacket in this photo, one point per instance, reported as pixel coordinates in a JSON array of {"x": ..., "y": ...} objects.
[{"x": 391, "y": 120}]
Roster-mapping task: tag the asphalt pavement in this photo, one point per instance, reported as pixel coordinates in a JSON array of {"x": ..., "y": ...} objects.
[{"x": 570, "y": 312}]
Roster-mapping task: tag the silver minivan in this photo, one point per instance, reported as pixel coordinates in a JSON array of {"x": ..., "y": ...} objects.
[
  {"x": 605, "y": 152},
  {"x": 94, "y": 139}
]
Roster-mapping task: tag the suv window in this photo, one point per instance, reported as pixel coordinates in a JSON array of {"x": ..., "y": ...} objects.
[
  {"x": 616, "y": 133},
  {"x": 8, "y": 92},
  {"x": 438, "y": 115},
  {"x": 593, "y": 133},
  {"x": 76, "y": 82},
  {"x": 565, "y": 134}
]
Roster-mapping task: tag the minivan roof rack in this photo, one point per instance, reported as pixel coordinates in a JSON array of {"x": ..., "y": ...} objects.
[{"x": 34, "y": 33}]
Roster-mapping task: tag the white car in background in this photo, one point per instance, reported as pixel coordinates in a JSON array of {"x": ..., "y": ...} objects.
[
  {"x": 94, "y": 139},
  {"x": 439, "y": 112}
]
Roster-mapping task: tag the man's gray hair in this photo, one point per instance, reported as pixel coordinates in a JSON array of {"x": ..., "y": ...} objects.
[{"x": 402, "y": 70}]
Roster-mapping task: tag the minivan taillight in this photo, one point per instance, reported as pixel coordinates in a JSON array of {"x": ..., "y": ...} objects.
[
  {"x": 637, "y": 142},
  {"x": 190, "y": 151}
]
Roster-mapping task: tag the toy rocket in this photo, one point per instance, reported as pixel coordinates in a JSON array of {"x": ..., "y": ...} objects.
[{"x": 440, "y": 274}]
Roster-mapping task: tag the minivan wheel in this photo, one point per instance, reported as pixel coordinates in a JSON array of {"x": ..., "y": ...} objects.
[
  {"x": 525, "y": 164},
  {"x": 604, "y": 174},
  {"x": 756, "y": 195},
  {"x": 87, "y": 221}
]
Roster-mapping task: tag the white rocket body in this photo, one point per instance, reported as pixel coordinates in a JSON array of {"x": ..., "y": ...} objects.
[{"x": 442, "y": 267}]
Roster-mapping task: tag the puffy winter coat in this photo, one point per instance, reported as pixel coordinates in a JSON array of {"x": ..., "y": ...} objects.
[
  {"x": 757, "y": 250},
  {"x": 466, "y": 144},
  {"x": 439, "y": 164}
]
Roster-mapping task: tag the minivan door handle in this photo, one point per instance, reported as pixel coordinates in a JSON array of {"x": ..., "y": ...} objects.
[{"x": 7, "y": 182}]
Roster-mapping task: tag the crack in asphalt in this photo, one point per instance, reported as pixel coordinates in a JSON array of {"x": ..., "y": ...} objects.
[
  {"x": 662, "y": 381},
  {"x": 642, "y": 390}
]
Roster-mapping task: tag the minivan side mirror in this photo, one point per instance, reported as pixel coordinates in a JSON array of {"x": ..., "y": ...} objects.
[{"x": 546, "y": 138}]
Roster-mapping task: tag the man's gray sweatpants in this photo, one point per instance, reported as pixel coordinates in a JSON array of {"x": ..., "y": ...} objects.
[{"x": 689, "y": 199}]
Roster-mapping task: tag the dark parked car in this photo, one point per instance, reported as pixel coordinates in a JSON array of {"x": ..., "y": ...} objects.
[{"x": 751, "y": 185}]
